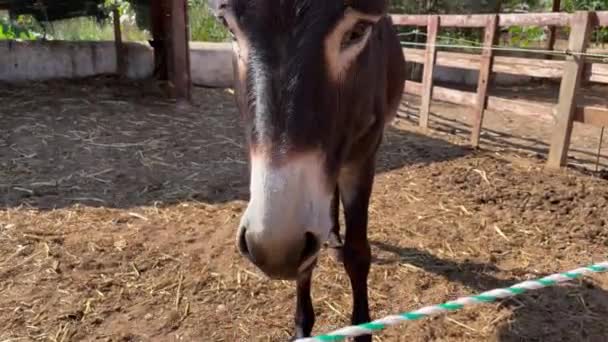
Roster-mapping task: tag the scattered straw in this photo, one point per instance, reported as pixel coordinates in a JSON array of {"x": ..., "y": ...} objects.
[
  {"x": 500, "y": 232},
  {"x": 99, "y": 163}
]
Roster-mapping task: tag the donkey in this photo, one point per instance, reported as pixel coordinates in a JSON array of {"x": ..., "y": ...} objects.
[{"x": 316, "y": 82}]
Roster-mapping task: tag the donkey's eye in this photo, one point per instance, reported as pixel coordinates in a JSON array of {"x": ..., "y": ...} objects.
[{"x": 356, "y": 34}]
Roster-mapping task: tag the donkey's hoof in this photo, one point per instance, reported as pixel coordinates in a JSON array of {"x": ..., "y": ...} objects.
[{"x": 364, "y": 338}]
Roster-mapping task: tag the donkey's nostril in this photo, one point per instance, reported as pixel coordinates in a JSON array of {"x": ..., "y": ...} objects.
[
  {"x": 243, "y": 248},
  {"x": 311, "y": 247}
]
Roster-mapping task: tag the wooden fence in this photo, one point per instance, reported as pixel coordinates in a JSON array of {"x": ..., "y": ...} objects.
[{"x": 572, "y": 71}]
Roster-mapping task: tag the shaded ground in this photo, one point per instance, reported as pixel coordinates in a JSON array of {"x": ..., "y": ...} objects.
[
  {"x": 119, "y": 146},
  {"x": 529, "y": 135},
  {"x": 119, "y": 214}
]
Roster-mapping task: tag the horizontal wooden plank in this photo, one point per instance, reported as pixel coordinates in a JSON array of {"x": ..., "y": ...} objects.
[
  {"x": 542, "y": 68},
  {"x": 598, "y": 78},
  {"x": 409, "y": 20},
  {"x": 506, "y": 65},
  {"x": 459, "y": 60},
  {"x": 596, "y": 116},
  {"x": 413, "y": 87},
  {"x": 534, "y": 19},
  {"x": 539, "y": 110},
  {"x": 505, "y": 19},
  {"x": 443, "y": 94},
  {"x": 597, "y": 72},
  {"x": 589, "y": 115},
  {"x": 414, "y": 55},
  {"x": 448, "y": 59},
  {"x": 479, "y": 20},
  {"x": 446, "y": 20},
  {"x": 464, "y": 98},
  {"x": 471, "y": 20}
]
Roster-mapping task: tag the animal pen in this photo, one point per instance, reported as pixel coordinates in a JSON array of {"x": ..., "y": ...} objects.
[
  {"x": 118, "y": 212},
  {"x": 577, "y": 68},
  {"x": 168, "y": 27}
]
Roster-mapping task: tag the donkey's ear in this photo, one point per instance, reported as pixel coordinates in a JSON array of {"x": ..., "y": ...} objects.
[{"x": 373, "y": 7}]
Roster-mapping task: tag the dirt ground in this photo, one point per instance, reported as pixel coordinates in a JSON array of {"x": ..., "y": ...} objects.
[
  {"x": 524, "y": 134},
  {"x": 119, "y": 211}
]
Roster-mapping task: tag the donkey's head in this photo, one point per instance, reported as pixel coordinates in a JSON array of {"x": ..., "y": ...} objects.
[{"x": 304, "y": 79}]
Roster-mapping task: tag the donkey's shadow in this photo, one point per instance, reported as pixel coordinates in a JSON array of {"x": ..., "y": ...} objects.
[{"x": 576, "y": 312}]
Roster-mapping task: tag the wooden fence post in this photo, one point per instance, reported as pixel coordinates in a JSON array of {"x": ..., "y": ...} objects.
[
  {"x": 429, "y": 66},
  {"x": 557, "y": 5},
  {"x": 118, "y": 45},
  {"x": 485, "y": 73},
  {"x": 582, "y": 25},
  {"x": 180, "y": 51},
  {"x": 159, "y": 15}
]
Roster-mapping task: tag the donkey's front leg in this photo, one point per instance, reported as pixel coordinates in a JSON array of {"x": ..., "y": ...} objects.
[
  {"x": 335, "y": 244},
  {"x": 305, "y": 314},
  {"x": 356, "y": 188}
]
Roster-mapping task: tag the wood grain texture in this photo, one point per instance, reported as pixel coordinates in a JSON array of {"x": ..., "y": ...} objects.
[
  {"x": 483, "y": 83},
  {"x": 571, "y": 80},
  {"x": 429, "y": 66},
  {"x": 533, "y": 67}
]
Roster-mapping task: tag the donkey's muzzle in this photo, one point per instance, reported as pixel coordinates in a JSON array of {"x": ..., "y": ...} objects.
[
  {"x": 288, "y": 215},
  {"x": 283, "y": 260}
]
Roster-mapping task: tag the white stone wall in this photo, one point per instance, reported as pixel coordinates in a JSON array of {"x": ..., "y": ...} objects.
[
  {"x": 211, "y": 63},
  {"x": 44, "y": 60}
]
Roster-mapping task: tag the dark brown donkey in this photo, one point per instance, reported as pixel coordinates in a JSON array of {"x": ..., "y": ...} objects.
[{"x": 316, "y": 81}]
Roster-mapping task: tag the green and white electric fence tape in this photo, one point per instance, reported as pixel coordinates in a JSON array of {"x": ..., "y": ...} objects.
[{"x": 486, "y": 297}]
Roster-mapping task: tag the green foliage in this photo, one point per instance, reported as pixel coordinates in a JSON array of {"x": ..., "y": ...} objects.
[
  {"x": 92, "y": 30},
  {"x": 586, "y": 5},
  {"x": 454, "y": 36},
  {"x": 520, "y": 36},
  {"x": 448, "y": 6},
  {"x": 134, "y": 20},
  {"x": 134, "y": 17},
  {"x": 601, "y": 34},
  {"x": 80, "y": 29},
  {"x": 10, "y": 32},
  {"x": 203, "y": 25},
  {"x": 76, "y": 29},
  {"x": 463, "y": 37},
  {"x": 22, "y": 28},
  {"x": 122, "y": 5},
  {"x": 523, "y": 36}
]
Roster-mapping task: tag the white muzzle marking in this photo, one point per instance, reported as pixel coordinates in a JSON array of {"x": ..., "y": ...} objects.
[{"x": 289, "y": 200}]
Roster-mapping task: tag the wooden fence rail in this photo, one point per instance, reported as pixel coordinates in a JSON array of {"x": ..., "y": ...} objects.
[{"x": 572, "y": 71}]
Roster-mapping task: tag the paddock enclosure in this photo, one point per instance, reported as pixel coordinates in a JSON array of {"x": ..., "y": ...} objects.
[
  {"x": 120, "y": 206},
  {"x": 119, "y": 217},
  {"x": 578, "y": 66}
]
